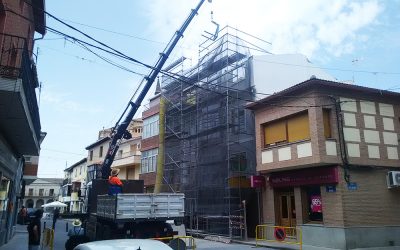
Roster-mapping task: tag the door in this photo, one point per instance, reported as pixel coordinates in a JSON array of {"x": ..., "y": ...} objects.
[{"x": 286, "y": 211}]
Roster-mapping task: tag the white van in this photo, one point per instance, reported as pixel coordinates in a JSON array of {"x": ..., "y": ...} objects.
[{"x": 124, "y": 244}]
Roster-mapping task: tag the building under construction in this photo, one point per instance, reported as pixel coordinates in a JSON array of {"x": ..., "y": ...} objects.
[{"x": 209, "y": 136}]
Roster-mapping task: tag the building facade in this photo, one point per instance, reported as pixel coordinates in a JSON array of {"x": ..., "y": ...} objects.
[
  {"x": 209, "y": 137},
  {"x": 127, "y": 158},
  {"x": 20, "y": 131},
  {"x": 74, "y": 185},
  {"x": 326, "y": 149},
  {"x": 42, "y": 191},
  {"x": 150, "y": 142}
]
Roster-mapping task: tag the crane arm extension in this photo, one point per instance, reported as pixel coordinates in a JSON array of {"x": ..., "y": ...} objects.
[{"x": 134, "y": 106}]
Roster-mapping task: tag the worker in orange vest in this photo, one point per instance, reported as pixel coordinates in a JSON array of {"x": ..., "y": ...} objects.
[{"x": 114, "y": 183}]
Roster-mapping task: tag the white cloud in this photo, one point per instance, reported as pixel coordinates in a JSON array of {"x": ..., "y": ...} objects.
[
  {"x": 292, "y": 26},
  {"x": 63, "y": 102}
]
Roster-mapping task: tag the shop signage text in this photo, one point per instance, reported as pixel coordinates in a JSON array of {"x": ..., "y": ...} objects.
[
  {"x": 310, "y": 176},
  {"x": 257, "y": 181}
]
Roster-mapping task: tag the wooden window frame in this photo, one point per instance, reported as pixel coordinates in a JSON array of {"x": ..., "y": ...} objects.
[
  {"x": 285, "y": 121},
  {"x": 327, "y": 123}
]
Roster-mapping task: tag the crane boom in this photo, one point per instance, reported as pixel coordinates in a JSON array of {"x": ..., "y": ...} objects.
[{"x": 120, "y": 128}]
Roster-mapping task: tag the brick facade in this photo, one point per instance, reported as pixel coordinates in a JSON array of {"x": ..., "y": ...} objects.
[
  {"x": 30, "y": 169},
  {"x": 149, "y": 143},
  {"x": 371, "y": 204}
]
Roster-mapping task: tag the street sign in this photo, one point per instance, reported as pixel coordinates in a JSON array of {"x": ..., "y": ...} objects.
[
  {"x": 279, "y": 233},
  {"x": 331, "y": 189},
  {"x": 352, "y": 186}
]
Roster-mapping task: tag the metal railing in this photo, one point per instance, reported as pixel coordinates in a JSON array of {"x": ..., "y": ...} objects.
[
  {"x": 16, "y": 62},
  {"x": 279, "y": 234},
  {"x": 128, "y": 154}
]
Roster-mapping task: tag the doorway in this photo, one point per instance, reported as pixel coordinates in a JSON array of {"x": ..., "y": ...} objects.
[{"x": 286, "y": 210}]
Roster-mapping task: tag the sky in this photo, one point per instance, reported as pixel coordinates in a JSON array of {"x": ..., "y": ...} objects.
[{"x": 354, "y": 41}]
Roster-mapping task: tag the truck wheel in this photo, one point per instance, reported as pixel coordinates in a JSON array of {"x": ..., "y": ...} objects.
[
  {"x": 106, "y": 232},
  {"x": 177, "y": 244},
  {"x": 99, "y": 231}
]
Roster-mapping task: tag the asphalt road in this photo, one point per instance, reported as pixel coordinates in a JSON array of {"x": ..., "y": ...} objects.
[{"x": 20, "y": 240}]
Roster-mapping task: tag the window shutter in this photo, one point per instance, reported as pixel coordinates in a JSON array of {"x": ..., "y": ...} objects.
[
  {"x": 275, "y": 132},
  {"x": 327, "y": 123},
  {"x": 298, "y": 128}
]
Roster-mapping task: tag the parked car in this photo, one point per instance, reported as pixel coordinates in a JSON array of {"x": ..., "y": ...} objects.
[{"x": 124, "y": 244}]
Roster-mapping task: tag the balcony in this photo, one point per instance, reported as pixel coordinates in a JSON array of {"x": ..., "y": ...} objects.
[
  {"x": 66, "y": 181},
  {"x": 126, "y": 159},
  {"x": 38, "y": 193},
  {"x": 19, "y": 112}
]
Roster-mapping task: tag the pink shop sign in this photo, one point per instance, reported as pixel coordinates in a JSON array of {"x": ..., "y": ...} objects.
[{"x": 309, "y": 176}]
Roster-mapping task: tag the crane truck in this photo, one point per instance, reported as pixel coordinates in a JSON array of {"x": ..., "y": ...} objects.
[{"x": 133, "y": 214}]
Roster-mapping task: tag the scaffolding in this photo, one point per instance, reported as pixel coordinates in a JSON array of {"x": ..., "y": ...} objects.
[{"x": 209, "y": 135}]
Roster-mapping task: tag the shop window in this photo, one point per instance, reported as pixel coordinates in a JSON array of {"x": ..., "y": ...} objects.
[
  {"x": 4, "y": 188},
  {"x": 289, "y": 129},
  {"x": 314, "y": 205},
  {"x": 327, "y": 123}
]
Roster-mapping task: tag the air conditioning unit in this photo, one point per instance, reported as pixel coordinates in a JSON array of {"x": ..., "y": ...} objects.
[{"x": 393, "y": 179}]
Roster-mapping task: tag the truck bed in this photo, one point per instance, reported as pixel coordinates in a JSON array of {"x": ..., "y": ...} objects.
[{"x": 141, "y": 206}]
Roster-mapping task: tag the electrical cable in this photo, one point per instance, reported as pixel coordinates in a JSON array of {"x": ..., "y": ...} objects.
[
  {"x": 118, "y": 52},
  {"x": 123, "y": 56}
]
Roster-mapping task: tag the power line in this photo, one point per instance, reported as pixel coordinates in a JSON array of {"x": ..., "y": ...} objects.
[
  {"x": 327, "y": 68},
  {"x": 173, "y": 75},
  {"x": 114, "y": 32},
  {"x": 119, "y": 54}
]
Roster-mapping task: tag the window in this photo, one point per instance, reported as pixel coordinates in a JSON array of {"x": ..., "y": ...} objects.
[
  {"x": 51, "y": 192},
  {"x": 91, "y": 155},
  {"x": 149, "y": 161},
  {"x": 30, "y": 192},
  {"x": 41, "y": 192},
  {"x": 150, "y": 126},
  {"x": 327, "y": 123},
  {"x": 80, "y": 170},
  {"x": 290, "y": 129},
  {"x": 313, "y": 204},
  {"x": 101, "y": 151}
]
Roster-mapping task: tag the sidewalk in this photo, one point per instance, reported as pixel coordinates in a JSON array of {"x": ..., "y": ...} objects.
[
  {"x": 276, "y": 245},
  {"x": 20, "y": 239}
]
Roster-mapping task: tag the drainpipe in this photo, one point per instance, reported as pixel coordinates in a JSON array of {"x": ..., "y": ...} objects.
[
  {"x": 342, "y": 143},
  {"x": 161, "y": 148}
]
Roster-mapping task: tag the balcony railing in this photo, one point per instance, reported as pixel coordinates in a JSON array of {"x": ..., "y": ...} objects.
[
  {"x": 66, "y": 181},
  {"x": 15, "y": 62},
  {"x": 37, "y": 193},
  {"x": 127, "y": 154}
]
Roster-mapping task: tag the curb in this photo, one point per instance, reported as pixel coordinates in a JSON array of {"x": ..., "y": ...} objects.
[{"x": 261, "y": 245}]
